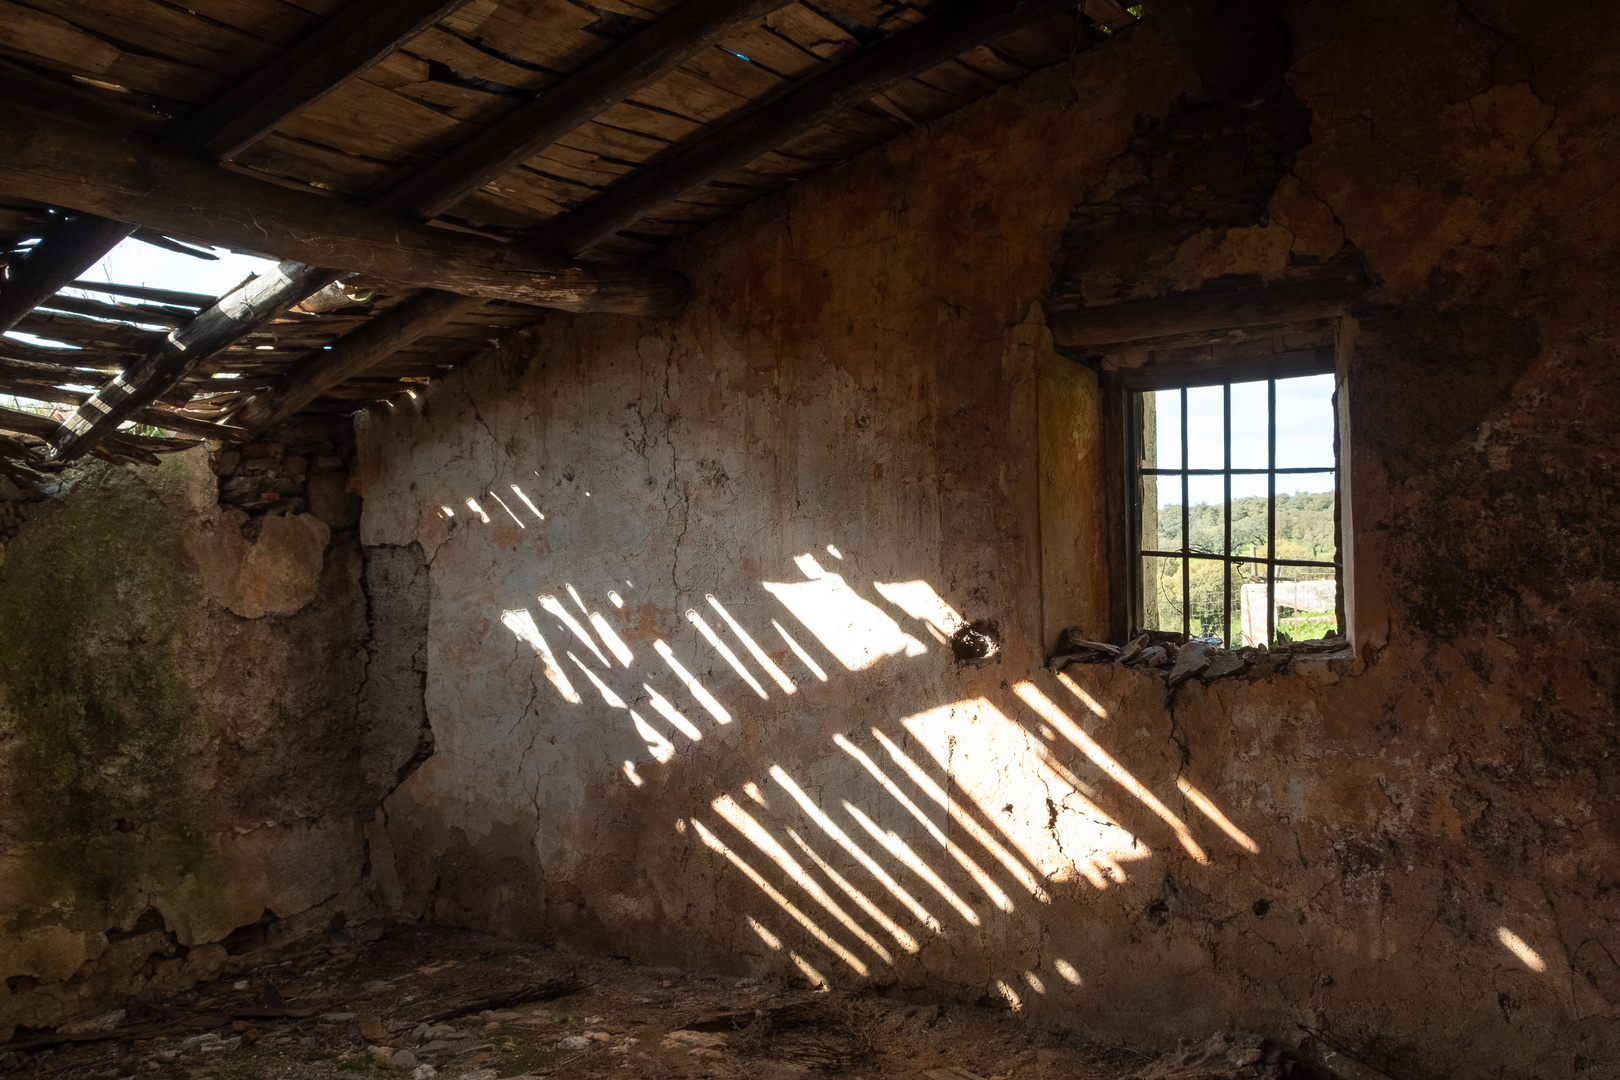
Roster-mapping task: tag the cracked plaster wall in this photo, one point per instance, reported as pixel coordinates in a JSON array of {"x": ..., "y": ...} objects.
[
  {"x": 851, "y": 405},
  {"x": 172, "y": 772}
]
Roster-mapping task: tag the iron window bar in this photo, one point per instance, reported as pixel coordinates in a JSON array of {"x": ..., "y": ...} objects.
[{"x": 1185, "y": 554}]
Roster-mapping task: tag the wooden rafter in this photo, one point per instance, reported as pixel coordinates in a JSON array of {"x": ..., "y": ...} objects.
[{"x": 948, "y": 32}]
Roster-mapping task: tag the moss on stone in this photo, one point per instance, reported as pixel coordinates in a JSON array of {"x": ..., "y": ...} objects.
[{"x": 91, "y": 692}]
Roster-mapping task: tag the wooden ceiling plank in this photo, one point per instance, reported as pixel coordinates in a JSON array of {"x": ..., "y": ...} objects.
[
  {"x": 1040, "y": 44},
  {"x": 170, "y": 32},
  {"x": 71, "y": 246},
  {"x": 367, "y": 120},
  {"x": 691, "y": 96},
  {"x": 551, "y": 35},
  {"x": 441, "y": 46},
  {"x": 923, "y": 102},
  {"x": 594, "y": 92},
  {"x": 274, "y": 21},
  {"x": 613, "y": 142},
  {"x": 468, "y": 103},
  {"x": 725, "y": 69},
  {"x": 808, "y": 103},
  {"x": 41, "y": 35},
  {"x": 147, "y": 314},
  {"x": 991, "y": 64},
  {"x": 310, "y": 165},
  {"x": 361, "y": 33},
  {"x": 813, "y": 32},
  {"x": 773, "y": 52},
  {"x": 94, "y": 106},
  {"x": 955, "y": 77},
  {"x": 812, "y": 101}
]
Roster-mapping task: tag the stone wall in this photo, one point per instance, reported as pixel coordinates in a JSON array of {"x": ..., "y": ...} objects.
[
  {"x": 844, "y": 450},
  {"x": 199, "y": 713}
]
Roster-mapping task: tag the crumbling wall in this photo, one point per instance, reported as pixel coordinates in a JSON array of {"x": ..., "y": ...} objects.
[
  {"x": 196, "y": 725},
  {"x": 839, "y": 445}
]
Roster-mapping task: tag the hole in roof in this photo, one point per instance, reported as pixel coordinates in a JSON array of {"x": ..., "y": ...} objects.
[{"x": 133, "y": 262}]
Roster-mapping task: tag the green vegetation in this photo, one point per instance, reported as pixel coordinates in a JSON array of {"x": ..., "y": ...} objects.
[
  {"x": 1304, "y": 531},
  {"x": 361, "y": 1065}
]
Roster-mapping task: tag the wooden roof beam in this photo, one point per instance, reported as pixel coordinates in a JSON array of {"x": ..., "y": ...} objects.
[
  {"x": 947, "y": 32},
  {"x": 358, "y": 36},
  {"x": 128, "y": 178},
  {"x": 1137, "y": 321}
]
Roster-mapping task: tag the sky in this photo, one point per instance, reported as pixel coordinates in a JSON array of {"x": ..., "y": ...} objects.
[
  {"x": 1305, "y": 433},
  {"x": 135, "y": 263}
]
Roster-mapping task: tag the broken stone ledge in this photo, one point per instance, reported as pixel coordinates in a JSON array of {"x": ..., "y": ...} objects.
[{"x": 1177, "y": 658}]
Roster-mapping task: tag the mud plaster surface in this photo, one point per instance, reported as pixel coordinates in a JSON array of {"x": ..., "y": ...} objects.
[{"x": 840, "y": 437}]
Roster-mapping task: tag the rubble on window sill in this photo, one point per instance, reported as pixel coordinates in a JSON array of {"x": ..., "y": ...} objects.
[{"x": 1177, "y": 658}]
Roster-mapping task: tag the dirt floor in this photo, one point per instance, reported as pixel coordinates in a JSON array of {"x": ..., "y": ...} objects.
[{"x": 446, "y": 1005}]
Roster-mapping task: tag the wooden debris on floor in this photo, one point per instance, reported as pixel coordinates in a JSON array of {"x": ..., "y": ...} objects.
[{"x": 1220, "y": 1057}]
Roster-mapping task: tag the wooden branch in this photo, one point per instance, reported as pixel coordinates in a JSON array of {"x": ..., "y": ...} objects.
[
  {"x": 1242, "y": 48},
  {"x": 948, "y": 31},
  {"x": 131, "y": 179},
  {"x": 1188, "y": 313},
  {"x": 642, "y": 60}
]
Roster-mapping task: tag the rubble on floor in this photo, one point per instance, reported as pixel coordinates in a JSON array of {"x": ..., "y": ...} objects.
[
  {"x": 1177, "y": 657},
  {"x": 420, "y": 1004}
]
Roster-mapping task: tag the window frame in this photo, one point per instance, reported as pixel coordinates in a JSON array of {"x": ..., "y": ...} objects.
[{"x": 1123, "y": 434}]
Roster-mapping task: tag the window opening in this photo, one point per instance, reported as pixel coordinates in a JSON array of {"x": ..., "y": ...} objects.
[{"x": 1235, "y": 515}]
